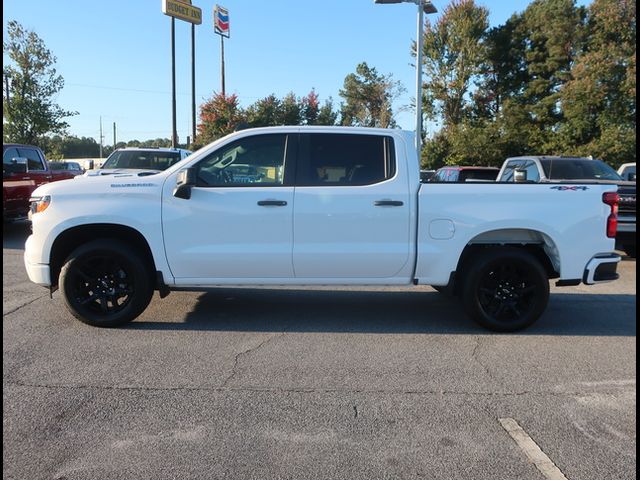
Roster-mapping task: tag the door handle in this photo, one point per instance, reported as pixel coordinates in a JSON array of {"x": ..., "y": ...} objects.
[
  {"x": 388, "y": 203},
  {"x": 272, "y": 203}
]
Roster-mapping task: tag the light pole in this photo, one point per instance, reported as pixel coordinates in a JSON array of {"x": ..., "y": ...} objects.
[{"x": 424, "y": 6}]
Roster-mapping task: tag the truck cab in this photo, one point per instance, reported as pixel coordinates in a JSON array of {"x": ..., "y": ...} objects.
[{"x": 24, "y": 168}]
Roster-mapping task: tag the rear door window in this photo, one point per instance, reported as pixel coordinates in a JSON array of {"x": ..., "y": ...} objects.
[{"x": 328, "y": 159}]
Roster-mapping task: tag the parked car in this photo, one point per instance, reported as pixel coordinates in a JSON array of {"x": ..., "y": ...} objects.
[
  {"x": 549, "y": 169},
  {"x": 140, "y": 160},
  {"x": 336, "y": 206},
  {"x": 71, "y": 167},
  {"x": 24, "y": 168},
  {"x": 425, "y": 175},
  {"x": 628, "y": 171},
  {"x": 465, "y": 174}
]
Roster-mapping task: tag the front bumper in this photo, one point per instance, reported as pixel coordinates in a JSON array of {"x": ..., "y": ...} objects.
[
  {"x": 601, "y": 269},
  {"x": 39, "y": 273}
]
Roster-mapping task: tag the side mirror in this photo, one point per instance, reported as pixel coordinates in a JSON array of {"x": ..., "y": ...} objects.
[
  {"x": 185, "y": 181},
  {"x": 520, "y": 176},
  {"x": 632, "y": 177}
]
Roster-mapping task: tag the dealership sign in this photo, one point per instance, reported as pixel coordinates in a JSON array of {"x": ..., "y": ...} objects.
[
  {"x": 182, "y": 10},
  {"x": 221, "y": 21}
]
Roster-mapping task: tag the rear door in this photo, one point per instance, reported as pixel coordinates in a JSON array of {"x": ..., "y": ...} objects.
[{"x": 352, "y": 207}]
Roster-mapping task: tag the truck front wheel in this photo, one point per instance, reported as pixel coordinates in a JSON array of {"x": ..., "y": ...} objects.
[
  {"x": 506, "y": 289},
  {"x": 105, "y": 284}
]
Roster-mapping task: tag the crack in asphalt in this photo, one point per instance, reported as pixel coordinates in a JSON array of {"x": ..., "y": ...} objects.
[
  {"x": 246, "y": 352},
  {"x": 474, "y": 356},
  {"x": 24, "y": 305},
  {"x": 303, "y": 390}
]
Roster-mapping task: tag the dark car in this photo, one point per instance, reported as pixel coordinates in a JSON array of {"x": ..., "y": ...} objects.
[
  {"x": 73, "y": 168},
  {"x": 425, "y": 175},
  {"x": 465, "y": 174}
]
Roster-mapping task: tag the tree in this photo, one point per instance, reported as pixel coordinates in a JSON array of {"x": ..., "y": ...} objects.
[
  {"x": 327, "y": 115},
  {"x": 453, "y": 55},
  {"x": 599, "y": 100},
  {"x": 369, "y": 98},
  {"x": 554, "y": 32},
  {"x": 265, "y": 112},
  {"x": 30, "y": 85},
  {"x": 290, "y": 111},
  {"x": 219, "y": 116},
  {"x": 503, "y": 72},
  {"x": 310, "y": 108}
]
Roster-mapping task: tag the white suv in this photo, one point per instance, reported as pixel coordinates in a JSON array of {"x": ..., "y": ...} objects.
[
  {"x": 628, "y": 171},
  {"x": 140, "y": 160}
]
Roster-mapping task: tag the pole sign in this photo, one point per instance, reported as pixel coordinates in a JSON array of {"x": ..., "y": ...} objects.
[
  {"x": 182, "y": 10},
  {"x": 221, "y": 21}
]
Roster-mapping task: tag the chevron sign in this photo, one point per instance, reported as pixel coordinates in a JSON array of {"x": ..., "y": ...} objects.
[{"x": 221, "y": 21}]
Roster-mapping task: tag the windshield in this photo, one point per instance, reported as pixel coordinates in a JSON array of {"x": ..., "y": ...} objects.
[
  {"x": 141, "y": 160},
  {"x": 578, "y": 169}
]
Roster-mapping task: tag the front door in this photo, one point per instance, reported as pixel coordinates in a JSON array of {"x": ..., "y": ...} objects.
[{"x": 238, "y": 223}]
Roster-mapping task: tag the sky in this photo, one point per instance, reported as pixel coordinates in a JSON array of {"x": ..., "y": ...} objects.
[{"x": 115, "y": 56}]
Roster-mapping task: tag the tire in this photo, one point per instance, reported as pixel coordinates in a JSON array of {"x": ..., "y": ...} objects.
[
  {"x": 105, "y": 284},
  {"x": 506, "y": 289},
  {"x": 630, "y": 250}
]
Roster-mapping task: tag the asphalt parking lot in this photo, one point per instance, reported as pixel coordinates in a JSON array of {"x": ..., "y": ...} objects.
[{"x": 359, "y": 383}]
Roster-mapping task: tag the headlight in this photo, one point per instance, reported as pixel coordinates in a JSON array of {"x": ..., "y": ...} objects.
[{"x": 39, "y": 204}]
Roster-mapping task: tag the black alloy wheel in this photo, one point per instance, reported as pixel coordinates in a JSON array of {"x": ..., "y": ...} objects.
[
  {"x": 105, "y": 284},
  {"x": 506, "y": 290}
]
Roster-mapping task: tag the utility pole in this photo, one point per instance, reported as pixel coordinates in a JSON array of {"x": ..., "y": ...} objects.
[
  {"x": 193, "y": 82},
  {"x": 114, "y": 136},
  {"x": 101, "y": 137},
  {"x": 174, "y": 133},
  {"x": 222, "y": 64},
  {"x": 221, "y": 27}
]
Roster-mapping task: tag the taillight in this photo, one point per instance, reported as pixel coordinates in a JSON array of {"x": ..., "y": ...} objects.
[{"x": 612, "y": 199}]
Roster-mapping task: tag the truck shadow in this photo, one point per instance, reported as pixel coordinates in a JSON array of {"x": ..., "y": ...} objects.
[{"x": 392, "y": 312}]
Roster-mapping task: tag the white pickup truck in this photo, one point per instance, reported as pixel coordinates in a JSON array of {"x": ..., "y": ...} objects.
[{"x": 323, "y": 206}]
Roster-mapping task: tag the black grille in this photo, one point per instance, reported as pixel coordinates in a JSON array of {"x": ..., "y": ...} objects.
[{"x": 627, "y": 203}]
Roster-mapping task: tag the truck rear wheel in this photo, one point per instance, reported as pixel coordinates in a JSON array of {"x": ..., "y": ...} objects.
[
  {"x": 105, "y": 284},
  {"x": 506, "y": 289}
]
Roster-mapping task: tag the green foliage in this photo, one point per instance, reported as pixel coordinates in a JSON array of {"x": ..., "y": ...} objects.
[
  {"x": 369, "y": 98},
  {"x": 219, "y": 116},
  {"x": 556, "y": 79},
  {"x": 599, "y": 100},
  {"x": 30, "y": 83},
  {"x": 58, "y": 147},
  {"x": 453, "y": 55}
]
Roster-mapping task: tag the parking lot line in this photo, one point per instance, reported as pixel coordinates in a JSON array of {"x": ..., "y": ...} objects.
[{"x": 532, "y": 450}]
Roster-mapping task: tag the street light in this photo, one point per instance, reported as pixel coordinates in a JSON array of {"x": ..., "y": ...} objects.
[{"x": 424, "y": 6}]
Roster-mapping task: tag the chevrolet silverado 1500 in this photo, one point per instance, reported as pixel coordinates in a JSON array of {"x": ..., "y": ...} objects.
[{"x": 322, "y": 206}]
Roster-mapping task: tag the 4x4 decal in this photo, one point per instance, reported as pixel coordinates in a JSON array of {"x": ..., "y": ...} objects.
[{"x": 563, "y": 188}]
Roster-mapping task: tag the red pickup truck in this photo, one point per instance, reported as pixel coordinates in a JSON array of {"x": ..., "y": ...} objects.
[{"x": 24, "y": 168}]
